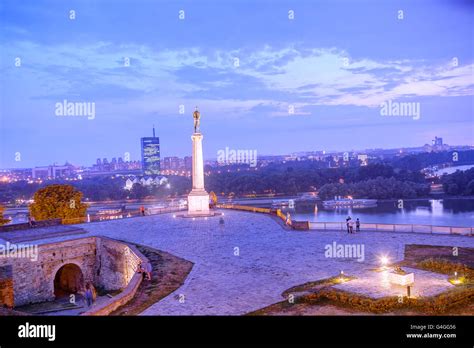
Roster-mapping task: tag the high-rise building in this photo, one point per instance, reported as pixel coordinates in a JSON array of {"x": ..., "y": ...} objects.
[{"x": 151, "y": 155}]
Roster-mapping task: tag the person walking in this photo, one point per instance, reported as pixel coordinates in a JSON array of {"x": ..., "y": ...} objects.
[
  {"x": 347, "y": 223},
  {"x": 357, "y": 225},
  {"x": 142, "y": 210},
  {"x": 88, "y": 295},
  {"x": 148, "y": 270}
]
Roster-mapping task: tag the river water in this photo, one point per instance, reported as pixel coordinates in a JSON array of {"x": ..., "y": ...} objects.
[{"x": 440, "y": 212}]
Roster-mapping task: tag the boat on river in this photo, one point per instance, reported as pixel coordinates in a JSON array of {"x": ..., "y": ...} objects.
[{"x": 349, "y": 202}]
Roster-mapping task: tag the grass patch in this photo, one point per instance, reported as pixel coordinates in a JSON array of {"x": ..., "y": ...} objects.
[
  {"x": 435, "y": 305},
  {"x": 455, "y": 300},
  {"x": 314, "y": 285}
]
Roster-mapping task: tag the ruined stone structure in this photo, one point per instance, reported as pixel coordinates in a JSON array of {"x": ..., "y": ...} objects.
[{"x": 65, "y": 267}]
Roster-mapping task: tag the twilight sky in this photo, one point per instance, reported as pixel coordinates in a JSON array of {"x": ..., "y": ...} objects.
[{"x": 246, "y": 64}]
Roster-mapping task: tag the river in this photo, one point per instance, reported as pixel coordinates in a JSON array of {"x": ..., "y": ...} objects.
[{"x": 440, "y": 212}]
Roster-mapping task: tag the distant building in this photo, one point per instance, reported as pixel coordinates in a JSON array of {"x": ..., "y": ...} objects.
[
  {"x": 437, "y": 146},
  {"x": 42, "y": 172},
  {"x": 145, "y": 181},
  {"x": 53, "y": 171},
  {"x": 150, "y": 155},
  {"x": 188, "y": 163},
  {"x": 364, "y": 160},
  {"x": 171, "y": 163}
]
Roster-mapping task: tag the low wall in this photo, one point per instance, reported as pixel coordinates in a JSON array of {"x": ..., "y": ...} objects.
[
  {"x": 300, "y": 225},
  {"x": 244, "y": 208},
  {"x": 296, "y": 225},
  {"x": 25, "y": 225}
]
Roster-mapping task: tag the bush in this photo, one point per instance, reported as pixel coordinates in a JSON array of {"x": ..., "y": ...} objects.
[{"x": 431, "y": 305}]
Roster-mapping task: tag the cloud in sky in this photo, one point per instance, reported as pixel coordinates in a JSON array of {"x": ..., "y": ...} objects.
[
  {"x": 309, "y": 77},
  {"x": 334, "y": 68}
]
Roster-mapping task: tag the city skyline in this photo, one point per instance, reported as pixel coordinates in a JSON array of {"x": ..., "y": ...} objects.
[
  {"x": 314, "y": 82},
  {"x": 138, "y": 159}
]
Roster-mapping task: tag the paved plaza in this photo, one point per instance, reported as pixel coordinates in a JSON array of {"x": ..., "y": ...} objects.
[{"x": 249, "y": 261}]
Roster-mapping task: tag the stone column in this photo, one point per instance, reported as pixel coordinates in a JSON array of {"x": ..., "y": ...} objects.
[
  {"x": 198, "y": 198},
  {"x": 198, "y": 162}
]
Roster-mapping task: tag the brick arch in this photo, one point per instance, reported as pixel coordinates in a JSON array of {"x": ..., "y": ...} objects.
[{"x": 68, "y": 279}]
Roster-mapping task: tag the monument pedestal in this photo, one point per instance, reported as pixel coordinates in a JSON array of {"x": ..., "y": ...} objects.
[{"x": 198, "y": 203}]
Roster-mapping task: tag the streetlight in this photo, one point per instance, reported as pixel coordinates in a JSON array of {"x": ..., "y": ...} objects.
[
  {"x": 384, "y": 261},
  {"x": 341, "y": 276}
]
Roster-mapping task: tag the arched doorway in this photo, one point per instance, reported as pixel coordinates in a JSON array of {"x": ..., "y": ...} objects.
[{"x": 68, "y": 280}]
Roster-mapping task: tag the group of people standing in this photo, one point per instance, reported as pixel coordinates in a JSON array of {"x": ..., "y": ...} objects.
[{"x": 350, "y": 225}]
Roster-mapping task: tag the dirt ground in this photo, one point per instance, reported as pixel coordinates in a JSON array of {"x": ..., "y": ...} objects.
[{"x": 416, "y": 253}]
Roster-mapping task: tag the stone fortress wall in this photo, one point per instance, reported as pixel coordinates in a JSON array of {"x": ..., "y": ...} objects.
[{"x": 104, "y": 262}]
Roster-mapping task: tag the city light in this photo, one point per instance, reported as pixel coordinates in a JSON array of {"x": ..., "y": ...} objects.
[
  {"x": 342, "y": 279},
  {"x": 384, "y": 262}
]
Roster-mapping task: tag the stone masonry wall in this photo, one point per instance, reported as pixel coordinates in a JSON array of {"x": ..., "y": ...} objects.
[
  {"x": 6, "y": 287},
  {"x": 33, "y": 280},
  {"x": 104, "y": 262},
  {"x": 116, "y": 264}
]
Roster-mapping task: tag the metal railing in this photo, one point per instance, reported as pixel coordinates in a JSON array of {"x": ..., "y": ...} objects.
[{"x": 398, "y": 228}]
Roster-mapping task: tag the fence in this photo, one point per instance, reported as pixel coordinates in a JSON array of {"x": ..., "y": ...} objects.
[{"x": 399, "y": 228}]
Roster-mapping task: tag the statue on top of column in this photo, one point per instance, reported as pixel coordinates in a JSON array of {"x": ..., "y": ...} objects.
[{"x": 197, "y": 120}]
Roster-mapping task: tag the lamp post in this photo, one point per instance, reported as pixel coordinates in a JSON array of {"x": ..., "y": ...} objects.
[{"x": 384, "y": 262}]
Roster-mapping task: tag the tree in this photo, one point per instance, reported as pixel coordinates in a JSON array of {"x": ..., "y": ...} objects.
[
  {"x": 470, "y": 188},
  {"x": 139, "y": 191},
  {"x": 213, "y": 197},
  {"x": 3, "y": 221},
  {"x": 57, "y": 201}
]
